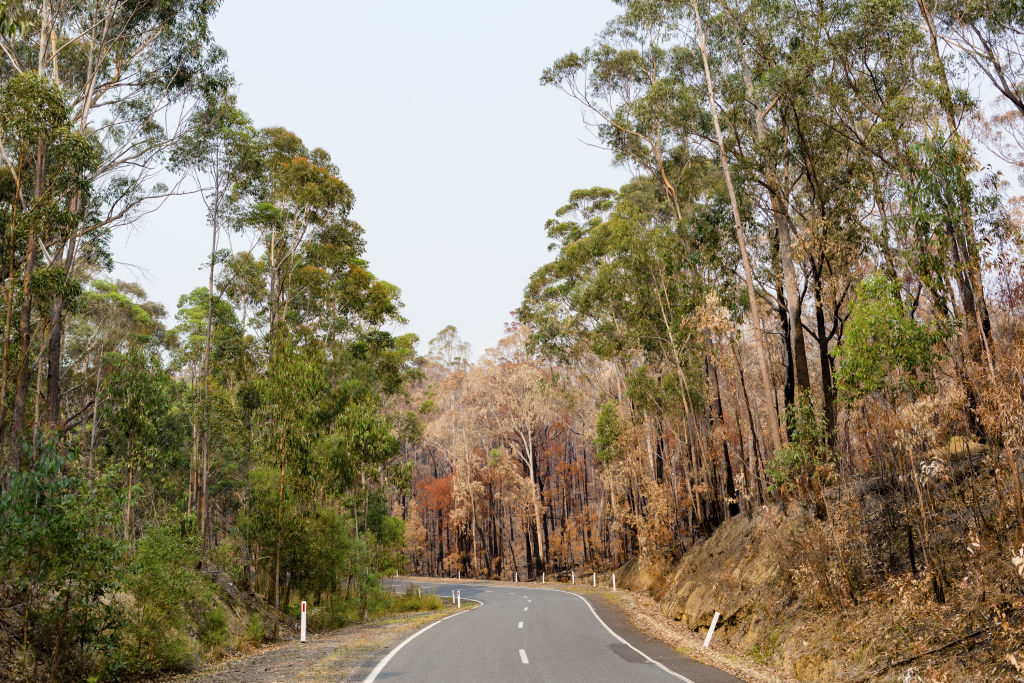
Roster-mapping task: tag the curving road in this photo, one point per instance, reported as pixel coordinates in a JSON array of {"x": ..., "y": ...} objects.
[{"x": 534, "y": 634}]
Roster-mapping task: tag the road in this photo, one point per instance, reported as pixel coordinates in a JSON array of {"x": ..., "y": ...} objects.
[{"x": 534, "y": 634}]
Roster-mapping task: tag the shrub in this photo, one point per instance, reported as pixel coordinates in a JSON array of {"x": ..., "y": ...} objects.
[
  {"x": 61, "y": 559},
  {"x": 166, "y": 584},
  {"x": 411, "y": 601},
  {"x": 808, "y": 448},
  {"x": 885, "y": 347},
  {"x": 255, "y": 631},
  {"x": 214, "y": 630}
]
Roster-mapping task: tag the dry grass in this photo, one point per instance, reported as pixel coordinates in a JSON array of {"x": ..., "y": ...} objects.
[{"x": 325, "y": 658}]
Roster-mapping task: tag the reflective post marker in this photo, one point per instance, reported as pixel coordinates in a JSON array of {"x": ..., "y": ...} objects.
[
  {"x": 543, "y": 577},
  {"x": 458, "y": 599},
  {"x": 453, "y": 596},
  {"x": 595, "y": 579},
  {"x": 613, "y": 581},
  {"x": 711, "y": 630},
  {"x": 517, "y": 577},
  {"x": 574, "y": 577},
  {"x": 302, "y": 623}
]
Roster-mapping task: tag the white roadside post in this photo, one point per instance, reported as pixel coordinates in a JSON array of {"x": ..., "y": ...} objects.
[
  {"x": 458, "y": 599},
  {"x": 595, "y": 579},
  {"x": 574, "y": 577},
  {"x": 516, "y": 580},
  {"x": 453, "y": 596},
  {"x": 543, "y": 577},
  {"x": 460, "y": 575},
  {"x": 302, "y": 623},
  {"x": 613, "y": 581},
  {"x": 711, "y": 630}
]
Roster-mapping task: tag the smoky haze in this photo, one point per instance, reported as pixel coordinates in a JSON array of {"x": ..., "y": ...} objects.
[{"x": 435, "y": 116}]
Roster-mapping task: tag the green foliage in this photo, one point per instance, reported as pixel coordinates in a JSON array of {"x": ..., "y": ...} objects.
[
  {"x": 62, "y": 557},
  {"x": 808, "y": 448},
  {"x": 885, "y": 349},
  {"x": 413, "y": 601},
  {"x": 940, "y": 195},
  {"x": 254, "y": 630},
  {"x": 167, "y": 588},
  {"x": 609, "y": 430},
  {"x": 213, "y": 631}
]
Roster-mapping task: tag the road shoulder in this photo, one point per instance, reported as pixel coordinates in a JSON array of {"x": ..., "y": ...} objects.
[{"x": 345, "y": 654}]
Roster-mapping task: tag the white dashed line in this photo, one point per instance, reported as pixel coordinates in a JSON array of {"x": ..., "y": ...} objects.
[
  {"x": 520, "y": 625},
  {"x": 522, "y": 656},
  {"x": 525, "y": 608}
]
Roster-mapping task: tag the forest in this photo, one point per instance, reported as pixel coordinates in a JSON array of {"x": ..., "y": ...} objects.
[
  {"x": 245, "y": 437},
  {"x": 807, "y": 299},
  {"x": 824, "y": 203}
]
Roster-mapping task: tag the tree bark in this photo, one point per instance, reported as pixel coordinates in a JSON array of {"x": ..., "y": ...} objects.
[{"x": 741, "y": 239}]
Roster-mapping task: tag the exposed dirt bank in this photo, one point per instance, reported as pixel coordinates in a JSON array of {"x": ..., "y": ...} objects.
[{"x": 786, "y": 606}]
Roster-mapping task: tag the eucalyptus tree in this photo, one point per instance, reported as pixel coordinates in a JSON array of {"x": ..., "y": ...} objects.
[
  {"x": 214, "y": 151},
  {"x": 287, "y": 195},
  {"x": 47, "y": 165},
  {"x": 988, "y": 33},
  {"x": 129, "y": 71},
  {"x": 642, "y": 81},
  {"x": 111, "y": 320},
  {"x": 621, "y": 288}
]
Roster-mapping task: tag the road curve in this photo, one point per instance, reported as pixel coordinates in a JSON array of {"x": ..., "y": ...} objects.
[{"x": 531, "y": 634}]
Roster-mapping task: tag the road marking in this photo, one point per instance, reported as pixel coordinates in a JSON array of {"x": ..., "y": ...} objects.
[
  {"x": 384, "y": 662},
  {"x": 520, "y": 625},
  {"x": 623, "y": 640},
  {"x": 529, "y": 601},
  {"x": 525, "y": 608},
  {"x": 522, "y": 656},
  {"x": 380, "y": 666}
]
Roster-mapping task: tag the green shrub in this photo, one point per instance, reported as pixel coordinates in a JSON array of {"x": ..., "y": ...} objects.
[
  {"x": 62, "y": 558},
  {"x": 255, "y": 632},
  {"x": 808, "y": 448},
  {"x": 885, "y": 348},
  {"x": 167, "y": 588},
  {"x": 411, "y": 601},
  {"x": 214, "y": 631},
  {"x": 333, "y": 614}
]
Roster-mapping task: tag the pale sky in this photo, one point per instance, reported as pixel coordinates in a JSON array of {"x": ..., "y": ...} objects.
[{"x": 435, "y": 115}]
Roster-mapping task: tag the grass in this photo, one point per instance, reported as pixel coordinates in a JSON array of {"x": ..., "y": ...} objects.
[{"x": 413, "y": 601}]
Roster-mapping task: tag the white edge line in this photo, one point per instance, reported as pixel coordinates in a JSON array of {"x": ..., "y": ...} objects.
[
  {"x": 522, "y": 656},
  {"x": 555, "y": 590},
  {"x": 623, "y": 640},
  {"x": 387, "y": 658}
]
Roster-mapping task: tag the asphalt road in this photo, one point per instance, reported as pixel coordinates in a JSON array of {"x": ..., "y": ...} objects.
[{"x": 534, "y": 634}]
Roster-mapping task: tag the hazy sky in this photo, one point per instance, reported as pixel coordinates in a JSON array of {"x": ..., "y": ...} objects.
[{"x": 434, "y": 113}]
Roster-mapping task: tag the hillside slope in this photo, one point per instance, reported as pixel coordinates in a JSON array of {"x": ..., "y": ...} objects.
[{"x": 778, "y": 580}]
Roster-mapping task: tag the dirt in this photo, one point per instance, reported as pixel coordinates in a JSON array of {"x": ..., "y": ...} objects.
[
  {"x": 333, "y": 656},
  {"x": 785, "y": 606}
]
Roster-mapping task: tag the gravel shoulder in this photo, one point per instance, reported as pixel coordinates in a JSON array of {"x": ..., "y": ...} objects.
[{"x": 333, "y": 656}]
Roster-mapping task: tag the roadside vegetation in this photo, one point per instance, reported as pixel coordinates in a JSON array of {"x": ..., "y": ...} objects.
[
  {"x": 804, "y": 310},
  {"x": 792, "y": 344},
  {"x": 173, "y": 483}
]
